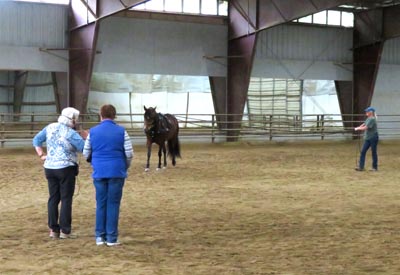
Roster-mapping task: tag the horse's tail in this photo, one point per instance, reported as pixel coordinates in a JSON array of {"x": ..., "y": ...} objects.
[{"x": 174, "y": 148}]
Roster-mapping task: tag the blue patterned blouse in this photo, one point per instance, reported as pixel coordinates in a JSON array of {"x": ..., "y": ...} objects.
[{"x": 63, "y": 143}]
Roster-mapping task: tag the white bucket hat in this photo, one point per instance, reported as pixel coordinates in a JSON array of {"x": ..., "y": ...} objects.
[{"x": 68, "y": 115}]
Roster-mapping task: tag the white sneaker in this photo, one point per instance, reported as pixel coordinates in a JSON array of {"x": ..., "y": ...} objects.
[
  {"x": 54, "y": 234},
  {"x": 113, "y": 244},
  {"x": 100, "y": 241},
  {"x": 64, "y": 235}
]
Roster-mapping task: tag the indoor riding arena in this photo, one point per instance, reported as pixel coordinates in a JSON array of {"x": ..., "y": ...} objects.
[
  {"x": 268, "y": 106},
  {"x": 236, "y": 208}
]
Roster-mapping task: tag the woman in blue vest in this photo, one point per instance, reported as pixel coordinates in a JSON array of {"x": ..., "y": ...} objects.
[
  {"x": 371, "y": 138},
  {"x": 109, "y": 149}
]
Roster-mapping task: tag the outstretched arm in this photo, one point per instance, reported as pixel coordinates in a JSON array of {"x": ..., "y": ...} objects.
[{"x": 362, "y": 127}]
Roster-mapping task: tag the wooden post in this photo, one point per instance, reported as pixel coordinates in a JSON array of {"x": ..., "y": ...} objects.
[
  {"x": 187, "y": 108},
  {"x": 270, "y": 127},
  {"x": 130, "y": 108},
  {"x": 2, "y": 131},
  {"x": 32, "y": 123},
  {"x": 212, "y": 129}
]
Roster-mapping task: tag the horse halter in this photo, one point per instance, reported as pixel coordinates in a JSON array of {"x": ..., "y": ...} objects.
[{"x": 150, "y": 122}]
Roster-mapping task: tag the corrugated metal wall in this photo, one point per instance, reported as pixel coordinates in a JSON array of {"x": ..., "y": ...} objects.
[
  {"x": 298, "y": 42},
  {"x": 304, "y": 52},
  {"x": 6, "y": 94},
  {"x": 145, "y": 46},
  {"x": 39, "y": 89},
  {"x": 33, "y": 24},
  {"x": 24, "y": 28},
  {"x": 391, "y": 52}
]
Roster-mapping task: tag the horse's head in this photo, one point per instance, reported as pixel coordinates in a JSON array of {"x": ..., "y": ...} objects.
[{"x": 150, "y": 117}]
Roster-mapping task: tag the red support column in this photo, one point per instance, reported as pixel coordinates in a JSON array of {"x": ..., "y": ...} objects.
[
  {"x": 246, "y": 19},
  {"x": 60, "y": 84},
  {"x": 368, "y": 45},
  {"x": 83, "y": 40},
  {"x": 344, "y": 91},
  {"x": 240, "y": 61},
  {"x": 19, "y": 90},
  {"x": 219, "y": 94},
  {"x": 391, "y": 22}
]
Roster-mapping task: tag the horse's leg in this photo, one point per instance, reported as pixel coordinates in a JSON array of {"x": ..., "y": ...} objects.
[
  {"x": 148, "y": 157},
  {"x": 159, "y": 156},
  {"x": 165, "y": 155}
]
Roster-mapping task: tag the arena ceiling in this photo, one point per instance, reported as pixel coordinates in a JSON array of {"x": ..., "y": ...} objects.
[
  {"x": 375, "y": 22},
  {"x": 372, "y": 4}
]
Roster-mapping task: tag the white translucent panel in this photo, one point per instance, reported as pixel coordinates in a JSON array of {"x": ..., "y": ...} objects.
[
  {"x": 320, "y": 18},
  {"x": 170, "y": 93},
  {"x": 81, "y": 9},
  {"x": 209, "y": 7},
  {"x": 155, "y": 5},
  {"x": 191, "y": 6},
  {"x": 334, "y": 18},
  {"x": 139, "y": 7},
  {"x": 223, "y": 8},
  {"x": 62, "y": 2},
  {"x": 307, "y": 19},
  {"x": 173, "y": 5},
  {"x": 347, "y": 19}
]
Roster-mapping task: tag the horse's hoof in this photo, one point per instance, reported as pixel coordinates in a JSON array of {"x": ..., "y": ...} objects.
[
  {"x": 147, "y": 169},
  {"x": 165, "y": 167}
]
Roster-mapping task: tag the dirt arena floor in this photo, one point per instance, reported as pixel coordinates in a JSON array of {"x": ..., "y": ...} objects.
[{"x": 275, "y": 208}]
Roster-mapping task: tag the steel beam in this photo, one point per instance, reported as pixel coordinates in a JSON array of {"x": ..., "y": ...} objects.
[
  {"x": 391, "y": 22},
  {"x": 246, "y": 19},
  {"x": 19, "y": 89},
  {"x": 83, "y": 38},
  {"x": 269, "y": 13},
  {"x": 242, "y": 17},
  {"x": 368, "y": 28},
  {"x": 368, "y": 45},
  {"x": 365, "y": 69},
  {"x": 239, "y": 70},
  {"x": 81, "y": 64},
  {"x": 60, "y": 86},
  {"x": 219, "y": 95},
  {"x": 344, "y": 90},
  {"x": 100, "y": 9}
]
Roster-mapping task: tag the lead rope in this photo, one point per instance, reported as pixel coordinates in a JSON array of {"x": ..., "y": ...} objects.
[
  {"x": 77, "y": 181},
  {"x": 358, "y": 147}
]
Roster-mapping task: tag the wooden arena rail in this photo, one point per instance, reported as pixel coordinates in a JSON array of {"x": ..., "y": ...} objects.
[{"x": 21, "y": 128}]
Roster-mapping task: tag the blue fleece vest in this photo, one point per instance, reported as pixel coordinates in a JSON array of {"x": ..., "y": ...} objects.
[{"x": 108, "y": 154}]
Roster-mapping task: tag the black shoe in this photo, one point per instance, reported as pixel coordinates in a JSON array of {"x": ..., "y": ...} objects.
[{"x": 359, "y": 169}]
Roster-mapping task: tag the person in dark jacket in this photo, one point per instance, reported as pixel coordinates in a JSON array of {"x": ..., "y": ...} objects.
[{"x": 109, "y": 149}]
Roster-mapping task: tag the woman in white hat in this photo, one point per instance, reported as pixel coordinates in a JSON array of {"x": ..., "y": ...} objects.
[
  {"x": 61, "y": 168},
  {"x": 371, "y": 138}
]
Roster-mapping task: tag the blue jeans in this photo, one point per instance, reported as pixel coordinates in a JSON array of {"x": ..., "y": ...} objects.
[
  {"x": 373, "y": 143},
  {"x": 108, "y": 201}
]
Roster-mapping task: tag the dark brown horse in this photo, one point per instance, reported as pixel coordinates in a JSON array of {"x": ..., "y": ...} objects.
[{"x": 159, "y": 129}]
